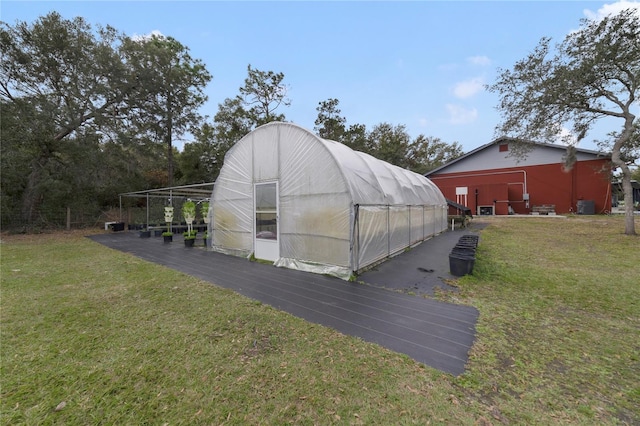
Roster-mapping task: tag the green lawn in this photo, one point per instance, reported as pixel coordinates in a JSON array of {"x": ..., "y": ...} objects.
[{"x": 95, "y": 336}]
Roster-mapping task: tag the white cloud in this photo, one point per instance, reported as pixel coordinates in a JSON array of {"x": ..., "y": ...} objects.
[
  {"x": 479, "y": 60},
  {"x": 461, "y": 115},
  {"x": 612, "y": 9},
  {"x": 468, "y": 88}
]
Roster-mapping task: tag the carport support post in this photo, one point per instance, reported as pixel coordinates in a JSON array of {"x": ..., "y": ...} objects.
[
  {"x": 355, "y": 245},
  {"x": 147, "y": 225},
  {"x": 388, "y": 232},
  {"x": 120, "y": 196}
]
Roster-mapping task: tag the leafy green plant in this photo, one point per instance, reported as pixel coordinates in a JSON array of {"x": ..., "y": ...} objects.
[
  {"x": 189, "y": 211},
  {"x": 204, "y": 210},
  {"x": 189, "y": 214},
  {"x": 190, "y": 235},
  {"x": 167, "y": 234}
]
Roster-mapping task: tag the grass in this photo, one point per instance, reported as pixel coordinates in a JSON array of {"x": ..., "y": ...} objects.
[
  {"x": 559, "y": 330},
  {"x": 94, "y": 336}
]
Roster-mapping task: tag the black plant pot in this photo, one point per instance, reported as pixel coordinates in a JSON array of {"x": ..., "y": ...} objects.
[
  {"x": 157, "y": 232},
  {"x": 168, "y": 238},
  {"x": 189, "y": 242},
  {"x": 145, "y": 234}
]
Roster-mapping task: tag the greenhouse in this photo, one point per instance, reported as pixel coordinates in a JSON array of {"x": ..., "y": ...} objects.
[{"x": 290, "y": 197}]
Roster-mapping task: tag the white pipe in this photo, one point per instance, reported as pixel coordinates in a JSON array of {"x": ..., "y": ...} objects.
[{"x": 506, "y": 172}]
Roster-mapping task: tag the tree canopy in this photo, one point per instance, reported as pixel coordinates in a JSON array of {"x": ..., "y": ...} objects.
[
  {"x": 593, "y": 73},
  {"x": 385, "y": 141},
  {"x": 170, "y": 91},
  {"x": 257, "y": 103},
  {"x": 76, "y": 99},
  {"x": 263, "y": 92}
]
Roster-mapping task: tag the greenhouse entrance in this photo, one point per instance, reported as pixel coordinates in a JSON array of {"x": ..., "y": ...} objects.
[{"x": 267, "y": 243}]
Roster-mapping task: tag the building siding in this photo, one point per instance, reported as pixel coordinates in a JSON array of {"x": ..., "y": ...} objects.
[{"x": 546, "y": 184}]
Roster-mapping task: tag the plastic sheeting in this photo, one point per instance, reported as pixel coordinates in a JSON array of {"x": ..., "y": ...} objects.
[{"x": 339, "y": 210}]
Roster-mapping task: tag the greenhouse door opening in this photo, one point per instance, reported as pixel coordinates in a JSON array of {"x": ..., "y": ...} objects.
[{"x": 266, "y": 241}]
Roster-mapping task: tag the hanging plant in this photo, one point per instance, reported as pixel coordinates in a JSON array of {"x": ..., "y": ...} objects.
[
  {"x": 204, "y": 210},
  {"x": 189, "y": 213},
  {"x": 168, "y": 218}
]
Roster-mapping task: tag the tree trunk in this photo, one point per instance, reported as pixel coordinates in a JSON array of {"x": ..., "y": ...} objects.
[
  {"x": 616, "y": 158},
  {"x": 31, "y": 196},
  {"x": 629, "y": 223}
]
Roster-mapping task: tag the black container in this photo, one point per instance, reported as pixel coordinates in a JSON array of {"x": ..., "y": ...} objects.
[
  {"x": 117, "y": 226},
  {"x": 461, "y": 265},
  {"x": 464, "y": 251},
  {"x": 466, "y": 245},
  {"x": 469, "y": 240}
]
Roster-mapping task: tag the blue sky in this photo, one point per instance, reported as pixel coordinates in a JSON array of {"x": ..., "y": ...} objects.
[{"x": 419, "y": 64}]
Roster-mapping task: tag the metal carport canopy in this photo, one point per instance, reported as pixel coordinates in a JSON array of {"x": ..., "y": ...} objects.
[{"x": 198, "y": 191}]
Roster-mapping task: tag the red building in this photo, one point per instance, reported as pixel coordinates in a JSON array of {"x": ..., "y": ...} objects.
[{"x": 490, "y": 181}]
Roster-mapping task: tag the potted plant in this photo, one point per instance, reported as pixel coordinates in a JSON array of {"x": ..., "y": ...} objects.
[
  {"x": 168, "y": 236},
  {"x": 189, "y": 238},
  {"x": 206, "y": 239},
  {"x": 145, "y": 233}
]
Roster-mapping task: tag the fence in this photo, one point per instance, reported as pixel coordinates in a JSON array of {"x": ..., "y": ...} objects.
[{"x": 53, "y": 219}]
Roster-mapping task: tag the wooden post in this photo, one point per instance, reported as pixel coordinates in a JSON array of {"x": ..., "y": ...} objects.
[{"x": 68, "y": 218}]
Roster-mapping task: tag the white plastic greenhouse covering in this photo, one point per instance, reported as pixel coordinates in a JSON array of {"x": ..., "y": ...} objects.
[{"x": 336, "y": 210}]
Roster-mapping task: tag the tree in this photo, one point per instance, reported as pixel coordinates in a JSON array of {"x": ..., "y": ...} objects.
[
  {"x": 329, "y": 124},
  {"x": 62, "y": 81},
  {"x": 202, "y": 159},
  {"x": 232, "y": 122},
  {"x": 64, "y": 70},
  {"x": 428, "y": 153},
  {"x": 594, "y": 73},
  {"x": 259, "y": 98},
  {"x": 82, "y": 104},
  {"x": 263, "y": 93},
  {"x": 171, "y": 89},
  {"x": 390, "y": 143},
  {"x": 356, "y": 137}
]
